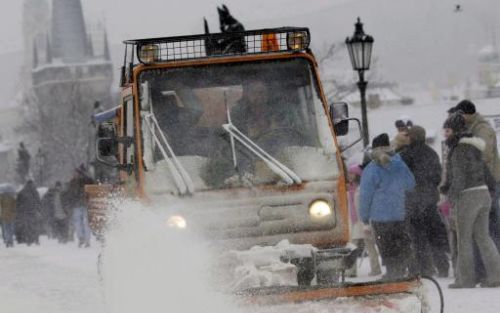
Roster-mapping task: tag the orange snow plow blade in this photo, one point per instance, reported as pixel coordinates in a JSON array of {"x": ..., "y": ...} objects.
[{"x": 282, "y": 295}]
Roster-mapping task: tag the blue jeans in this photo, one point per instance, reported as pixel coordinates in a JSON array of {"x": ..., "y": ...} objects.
[
  {"x": 81, "y": 222},
  {"x": 8, "y": 233}
]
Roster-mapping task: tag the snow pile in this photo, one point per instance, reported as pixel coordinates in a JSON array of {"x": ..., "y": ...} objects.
[
  {"x": 264, "y": 266},
  {"x": 149, "y": 267}
]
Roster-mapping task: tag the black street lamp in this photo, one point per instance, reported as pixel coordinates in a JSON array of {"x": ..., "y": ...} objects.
[
  {"x": 40, "y": 160},
  {"x": 360, "y": 51}
]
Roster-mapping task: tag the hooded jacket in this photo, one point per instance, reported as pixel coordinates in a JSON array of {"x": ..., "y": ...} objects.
[
  {"x": 479, "y": 127},
  {"x": 8, "y": 207},
  {"x": 383, "y": 185},
  {"x": 466, "y": 168}
]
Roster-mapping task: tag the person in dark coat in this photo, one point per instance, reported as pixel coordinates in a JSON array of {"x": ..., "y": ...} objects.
[
  {"x": 47, "y": 221},
  {"x": 384, "y": 182},
  {"x": 427, "y": 229},
  {"x": 23, "y": 162},
  {"x": 478, "y": 126},
  {"x": 28, "y": 207},
  {"x": 471, "y": 202},
  {"x": 8, "y": 216},
  {"x": 59, "y": 216}
]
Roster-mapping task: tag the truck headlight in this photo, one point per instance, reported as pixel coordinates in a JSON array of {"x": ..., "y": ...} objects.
[
  {"x": 319, "y": 209},
  {"x": 176, "y": 221}
]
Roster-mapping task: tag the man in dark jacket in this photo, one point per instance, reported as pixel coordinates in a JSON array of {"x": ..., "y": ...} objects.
[
  {"x": 427, "y": 230},
  {"x": 28, "y": 214},
  {"x": 468, "y": 192},
  {"x": 57, "y": 212}
]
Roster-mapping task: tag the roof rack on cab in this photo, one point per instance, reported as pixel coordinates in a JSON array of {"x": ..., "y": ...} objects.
[
  {"x": 160, "y": 50},
  {"x": 169, "y": 49}
]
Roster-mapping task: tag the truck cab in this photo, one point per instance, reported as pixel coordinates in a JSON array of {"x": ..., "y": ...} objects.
[{"x": 239, "y": 143}]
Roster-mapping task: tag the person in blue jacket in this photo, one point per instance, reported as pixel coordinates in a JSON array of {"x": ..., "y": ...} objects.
[{"x": 384, "y": 183}]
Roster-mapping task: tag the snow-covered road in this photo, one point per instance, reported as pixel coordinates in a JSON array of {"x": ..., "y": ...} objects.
[
  {"x": 54, "y": 278},
  {"x": 49, "y": 278}
]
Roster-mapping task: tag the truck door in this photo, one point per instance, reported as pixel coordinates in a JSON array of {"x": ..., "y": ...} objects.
[
  {"x": 129, "y": 129},
  {"x": 128, "y": 150}
]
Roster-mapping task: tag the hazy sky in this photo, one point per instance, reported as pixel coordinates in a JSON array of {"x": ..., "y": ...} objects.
[
  {"x": 138, "y": 18},
  {"x": 415, "y": 40}
]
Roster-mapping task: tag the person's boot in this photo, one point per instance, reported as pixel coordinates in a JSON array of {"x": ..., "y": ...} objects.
[
  {"x": 486, "y": 284},
  {"x": 375, "y": 272},
  {"x": 457, "y": 285}
]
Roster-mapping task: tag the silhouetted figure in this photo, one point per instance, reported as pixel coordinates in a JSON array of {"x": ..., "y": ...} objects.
[
  {"x": 76, "y": 201},
  {"x": 28, "y": 214},
  {"x": 8, "y": 215},
  {"x": 226, "y": 44},
  {"x": 56, "y": 212},
  {"x": 23, "y": 162}
]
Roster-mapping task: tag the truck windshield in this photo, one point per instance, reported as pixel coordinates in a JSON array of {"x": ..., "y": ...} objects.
[{"x": 275, "y": 105}]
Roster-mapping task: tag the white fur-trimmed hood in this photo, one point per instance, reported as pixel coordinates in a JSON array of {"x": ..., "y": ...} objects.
[{"x": 473, "y": 141}]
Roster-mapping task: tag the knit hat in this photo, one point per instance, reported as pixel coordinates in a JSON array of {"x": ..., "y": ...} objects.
[
  {"x": 381, "y": 140},
  {"x": 455, "y": 122},
  {"x": 466, "y": 106},
  {"x": 416, "y": 134},
  {"x": 402, "y": 123}
]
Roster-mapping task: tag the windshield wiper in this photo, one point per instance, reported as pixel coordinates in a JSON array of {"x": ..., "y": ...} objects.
[
  {"x": 276, "y": 166},
  {"x": 181, "y": 177}
]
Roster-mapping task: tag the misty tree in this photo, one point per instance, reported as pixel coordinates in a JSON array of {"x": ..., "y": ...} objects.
[
  {"x": 59, "y": 119},
  {"x": 338, "y": 78}
]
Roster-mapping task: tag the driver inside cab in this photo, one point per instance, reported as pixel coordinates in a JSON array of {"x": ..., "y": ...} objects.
[
  {"x": 261, "y": 113},
  {"x": 266, "y": 116},
  {"x": 253, "y": 113}
]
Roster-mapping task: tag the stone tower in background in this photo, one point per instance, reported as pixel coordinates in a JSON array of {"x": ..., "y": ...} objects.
[
  {"x": 69, "y": 37},
  {"x": 36, "y": 21},
  {"x": 68, "y": 77}
]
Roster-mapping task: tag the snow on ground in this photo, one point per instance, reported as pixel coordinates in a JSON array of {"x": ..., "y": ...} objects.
[
  {"x": 49, "y": 278},
  {"x": 425, "y": 112},
  {"x": 150, "y": 268}
]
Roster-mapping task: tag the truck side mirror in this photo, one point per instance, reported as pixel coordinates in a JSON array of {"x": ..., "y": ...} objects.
[
  {"x": 339, "y": 115},
  {"x": 106, "y": 144}
]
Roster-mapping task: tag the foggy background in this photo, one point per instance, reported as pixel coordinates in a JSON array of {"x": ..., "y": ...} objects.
[{"x": 422, "y": 42}]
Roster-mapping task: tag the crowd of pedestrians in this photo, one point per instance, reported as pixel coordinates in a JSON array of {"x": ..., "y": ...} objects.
[
  {"x": 425, "y": 213},
  {"x": 60, "y": 213}
]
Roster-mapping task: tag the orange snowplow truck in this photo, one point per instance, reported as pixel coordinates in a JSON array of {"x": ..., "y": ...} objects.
[{"x": 231, "y": 134}]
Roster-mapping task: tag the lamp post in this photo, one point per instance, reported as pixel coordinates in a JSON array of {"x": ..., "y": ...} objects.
[
  {"x": 360, "y": 52},
  {"x": 40, "y": 160}
]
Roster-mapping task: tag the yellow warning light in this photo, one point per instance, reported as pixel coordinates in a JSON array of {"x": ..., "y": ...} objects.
[
  {"x": 149, "y": 53},
  {"x": 297, "y": 41}
]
